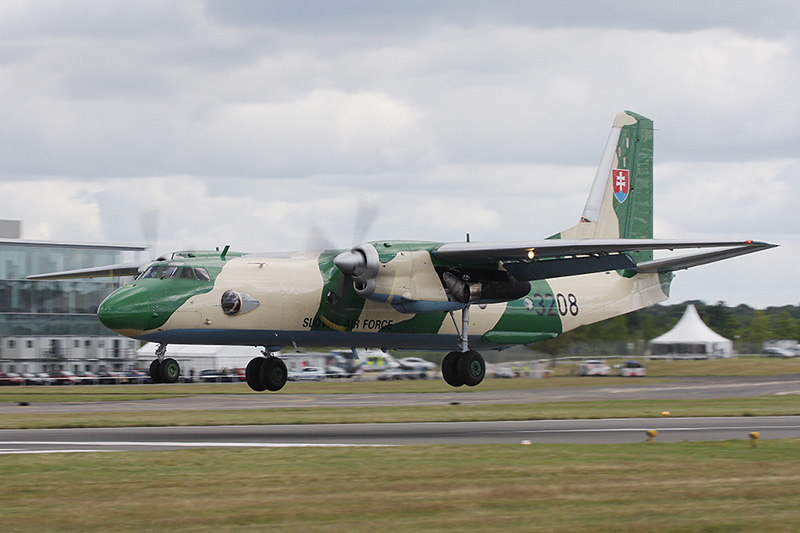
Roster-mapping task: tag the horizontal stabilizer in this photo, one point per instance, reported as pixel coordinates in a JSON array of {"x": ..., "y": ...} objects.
[{"x": 692, "y": 260}]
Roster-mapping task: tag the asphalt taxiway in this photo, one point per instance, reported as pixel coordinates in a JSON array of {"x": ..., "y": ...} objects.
[
  {"x": 393, "y": 434},
  {"x": 606, "y": 431}
]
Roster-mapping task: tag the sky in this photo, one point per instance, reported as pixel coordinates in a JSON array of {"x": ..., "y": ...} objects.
[{"x": 250, "y": 123}]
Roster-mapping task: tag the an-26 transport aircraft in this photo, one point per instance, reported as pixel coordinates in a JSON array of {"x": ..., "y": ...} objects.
[{"x": 459, "y": 296}]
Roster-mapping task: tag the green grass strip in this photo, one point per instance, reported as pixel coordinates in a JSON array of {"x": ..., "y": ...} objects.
[
  {"x": 464, "y": 412},
  {"x": 702, "y": 486}
]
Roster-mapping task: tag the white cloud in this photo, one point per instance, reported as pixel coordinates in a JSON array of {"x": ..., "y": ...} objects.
[{"x": 248, "y": 124}]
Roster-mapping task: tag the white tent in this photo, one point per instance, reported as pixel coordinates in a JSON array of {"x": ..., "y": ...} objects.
[
  {"x": 691, "y": 336},
  {"x": 194, "y": 358}
]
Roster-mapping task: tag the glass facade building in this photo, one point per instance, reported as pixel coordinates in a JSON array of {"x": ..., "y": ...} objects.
[{"x": 40, "y": 314}]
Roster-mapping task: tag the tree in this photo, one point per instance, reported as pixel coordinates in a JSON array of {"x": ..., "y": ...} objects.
[
  {"x": 785, "y": 327},
  {"x": 759, "y": 329}
]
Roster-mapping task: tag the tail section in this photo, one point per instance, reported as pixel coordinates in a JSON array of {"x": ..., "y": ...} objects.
[{"x": 620, "y": 203}]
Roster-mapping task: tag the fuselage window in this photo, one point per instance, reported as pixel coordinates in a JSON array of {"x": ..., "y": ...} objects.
[{"x": 202, "y": 274}]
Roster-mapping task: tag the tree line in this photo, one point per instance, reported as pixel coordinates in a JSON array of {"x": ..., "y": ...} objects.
[{"x": 746, "y": 326}]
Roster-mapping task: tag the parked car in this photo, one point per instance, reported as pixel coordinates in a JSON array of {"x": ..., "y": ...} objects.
[
  {"x": 210, "y": 376},
  {"x": 88, "y": 378},
  {"x": 777, "y": 352},
  {"x": 335, "y": 372},
  {"x": 416, "y": 363},
  {"x": 504, "y": 372},
  {"x": 308, "y": 373},
  {"x": 392, "y": 374},
  {"x": 10, "y": 378},
  {"x": 45, "y": 377},
  {"x": 31, "y": 379},
  {"x": 63, "y": 377},
  {"x": 136, "y": 377},
  {"x": 109, "y": 378},
  {"x": 631, "y": 369},
  {"x": 593, "y": 368}
]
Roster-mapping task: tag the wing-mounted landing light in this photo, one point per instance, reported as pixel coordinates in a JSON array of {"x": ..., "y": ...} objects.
[{"x": 361, "y": 264}]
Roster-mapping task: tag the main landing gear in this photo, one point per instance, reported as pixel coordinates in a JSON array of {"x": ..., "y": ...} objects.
[
  {"x": 266, "y": 373},
  {"x": 465, "y": 367},
  {"x": 164, "y": 369}
]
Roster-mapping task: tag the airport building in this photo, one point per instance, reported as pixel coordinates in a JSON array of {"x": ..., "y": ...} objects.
[{"x": 52, "y": 325}]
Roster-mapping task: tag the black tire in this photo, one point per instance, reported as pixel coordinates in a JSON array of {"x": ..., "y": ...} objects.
[
  {"x": 449, "y": 373},
  {"x": 252, "y": 374},
  {"x": 273, "y": 373},
  {"x": 155, "y": 373},
  {"x": 471, "y": 368},
  {"x": 170, "y": 371}
]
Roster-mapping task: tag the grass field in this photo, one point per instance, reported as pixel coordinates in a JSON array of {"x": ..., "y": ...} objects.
[
  {"x": 707, "y": 486},
  {"x": 701, "y": 486}
]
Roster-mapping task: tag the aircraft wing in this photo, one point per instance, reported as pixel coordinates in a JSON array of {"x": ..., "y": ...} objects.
[
  {"x": 530, "y": 260},
  {"x": 109, "y": 271}
]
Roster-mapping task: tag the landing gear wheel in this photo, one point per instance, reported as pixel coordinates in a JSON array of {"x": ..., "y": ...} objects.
[
  {"x": 252, "y": 374},
  {"x": 155, "y": 373},
  {"x": 471, "y": 368},
  {"x": 170, "y": 371},
  {"x": 273, "y": 373},
  {"x": 449, "y": 373}
]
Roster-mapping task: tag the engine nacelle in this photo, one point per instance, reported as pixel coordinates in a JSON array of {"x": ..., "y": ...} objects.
[
  {"x": 493, "y": 287},
  {"x": 412, "y": 284},
  {"x": 362, "y": 264}
]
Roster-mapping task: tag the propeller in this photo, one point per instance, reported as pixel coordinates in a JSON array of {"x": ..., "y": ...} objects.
[
  {"x": 366, "y": 213},
  {"x": 149, "y": 219}
]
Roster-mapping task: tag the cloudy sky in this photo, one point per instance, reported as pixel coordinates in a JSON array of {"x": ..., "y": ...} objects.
[{"x": 247, "y": 123}]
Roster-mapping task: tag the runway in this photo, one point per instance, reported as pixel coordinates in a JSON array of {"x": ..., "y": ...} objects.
[{"x": 606, "y": 431}]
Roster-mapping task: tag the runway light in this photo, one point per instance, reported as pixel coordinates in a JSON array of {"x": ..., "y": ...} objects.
[
  {"x": 651, "y": 436},
  {"x": 754, "y": 435},
  {"x": 664, "y": 413},
  {"x": 526, "y": 442}
]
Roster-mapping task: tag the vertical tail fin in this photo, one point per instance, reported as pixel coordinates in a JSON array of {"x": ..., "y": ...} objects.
[{"x": 620, "y": 203}]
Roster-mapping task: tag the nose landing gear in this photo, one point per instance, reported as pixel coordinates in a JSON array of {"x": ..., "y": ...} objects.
[{"x": 164, "y": 369}]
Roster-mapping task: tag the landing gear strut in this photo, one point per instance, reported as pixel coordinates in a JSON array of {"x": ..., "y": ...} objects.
[
  {"x": 465, "y": 367},
  {"x": 164, "y": 369},
  {"x": 266, "y": 373}
]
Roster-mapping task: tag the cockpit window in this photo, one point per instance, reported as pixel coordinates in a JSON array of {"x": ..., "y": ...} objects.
[
  {"x": 169, "y": 272},
  {"x": 175, "y": 271},
  {"x": 151, "y": 272}
]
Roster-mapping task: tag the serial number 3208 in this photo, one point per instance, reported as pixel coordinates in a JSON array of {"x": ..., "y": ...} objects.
[{"x": 553, "y": 305}]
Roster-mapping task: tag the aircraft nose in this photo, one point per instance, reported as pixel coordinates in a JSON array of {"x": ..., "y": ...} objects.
[{"x": 126, "y": 311}]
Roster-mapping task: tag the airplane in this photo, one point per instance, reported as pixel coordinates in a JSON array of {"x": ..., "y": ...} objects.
[{"x": 407, "y": 294}]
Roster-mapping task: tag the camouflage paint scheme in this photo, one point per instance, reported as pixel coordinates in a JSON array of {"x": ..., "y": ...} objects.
[{"x": 304, "y": 299}]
